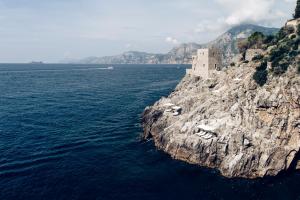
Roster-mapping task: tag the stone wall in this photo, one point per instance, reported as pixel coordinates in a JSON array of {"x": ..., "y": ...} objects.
[
  {"x": 200, "y": 64},
  {"x": 205, "y": 61},
  {"x": 215, "y": 59},
  {"x": 294, "y": 23}
]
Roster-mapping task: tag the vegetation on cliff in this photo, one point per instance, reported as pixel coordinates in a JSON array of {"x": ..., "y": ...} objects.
[
  {"x": 261, "y": 74},
  {"x": 281, "y": 51},
  {"x": 297, "y": 10}
]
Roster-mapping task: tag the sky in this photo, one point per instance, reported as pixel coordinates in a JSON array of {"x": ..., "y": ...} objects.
[{"x": 55, "y": 30}]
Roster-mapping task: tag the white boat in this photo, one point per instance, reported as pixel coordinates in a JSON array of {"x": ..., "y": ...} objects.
[{"x": 110, "y": 67}]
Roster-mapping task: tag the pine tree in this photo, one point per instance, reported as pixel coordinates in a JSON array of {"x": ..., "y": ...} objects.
[{"x": 297, "y": 10}]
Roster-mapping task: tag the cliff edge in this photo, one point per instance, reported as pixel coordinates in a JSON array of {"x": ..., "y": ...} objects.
[{"x": 231, "y": 122}]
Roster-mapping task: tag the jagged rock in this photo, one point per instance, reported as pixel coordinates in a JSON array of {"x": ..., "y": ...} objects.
[
  {"x": 298, "y": 165},
  {"x": 255, "y": 130},
  {"x": 246, "y": 142}
]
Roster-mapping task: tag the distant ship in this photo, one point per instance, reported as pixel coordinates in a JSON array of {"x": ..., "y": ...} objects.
[
  {"x": 110, "y": 67},
  {"x": 36, "y": 63}
]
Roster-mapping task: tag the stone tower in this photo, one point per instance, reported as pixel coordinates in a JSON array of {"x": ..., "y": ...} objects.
[{"x": 205, "y": 61}]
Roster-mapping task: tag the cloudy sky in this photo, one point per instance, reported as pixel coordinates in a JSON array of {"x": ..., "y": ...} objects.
[{"x": 52, "y": 30}]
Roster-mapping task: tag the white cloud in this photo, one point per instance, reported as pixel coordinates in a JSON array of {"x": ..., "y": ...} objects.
[
  {"x": 237, "y": 12},
  {"x": 99, "y": 27},
  {"x": 172, "y": 40},
  {"x": 290, "y": 1},
  {"x": 67, "y": 54},
  {"x": 250, "y": 11},
  {"x": 128, "y": 46},
  {"x": 210, "y": 26}
]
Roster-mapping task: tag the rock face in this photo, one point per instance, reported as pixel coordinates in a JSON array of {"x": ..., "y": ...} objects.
[
  {"x": 230, "y": 123},
  {"x": 251, "y": 53}
]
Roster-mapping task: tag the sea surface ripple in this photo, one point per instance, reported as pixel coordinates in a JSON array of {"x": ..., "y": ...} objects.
[{"x": 72, "y": 132}]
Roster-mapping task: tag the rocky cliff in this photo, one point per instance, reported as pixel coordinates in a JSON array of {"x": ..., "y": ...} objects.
[
  {"x": 230, "y": 122},
  {"x": 182, "y": 54}
]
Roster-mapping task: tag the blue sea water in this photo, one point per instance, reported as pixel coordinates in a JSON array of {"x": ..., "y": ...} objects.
[{"x": 72, "y": 132}]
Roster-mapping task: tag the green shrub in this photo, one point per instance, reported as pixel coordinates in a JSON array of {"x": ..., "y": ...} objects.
[
  {"x": 261, "y": 74},
  {"x": 297, "y": 10},
  {"x": 289, "y": 43},
  {"x": 293, "y": 36},
  {"x": 261, "y": 77},
  {"x": 296, "y": 44},
  {"x": 279, "y": 53},
  {"x": 280, "y": 58},
  {"x": 280, "y": 67},
  {"x": 243, "y": 45},
  {"x": 275, "y": 55},
  {"x": 284, "y": 40},
  {"x": 298, "y": 68},
  {"x": 257, "y": 57},
  {"x": 256, "y": 40},
  {"x": 281, "y": 34},
  {"x": 293, "y": 54},
  {"x": 246, "y": 61},
  {"x": 295, "y": 47},
  {"x": 262, "y": 66},
  {"x": 285, "y": 48},
  {"x": 244, "y": 55},
  {"x": 232, "y": 64},
  {"x": 269, "y": 39},
  {"x": 298, "y": 29}
]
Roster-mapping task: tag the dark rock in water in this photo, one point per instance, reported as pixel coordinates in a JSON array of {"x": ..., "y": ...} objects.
[{"x": 150, "y": 118}]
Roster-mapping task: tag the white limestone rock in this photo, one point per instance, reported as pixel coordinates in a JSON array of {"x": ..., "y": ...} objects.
[{"x": 251, "y": 131}]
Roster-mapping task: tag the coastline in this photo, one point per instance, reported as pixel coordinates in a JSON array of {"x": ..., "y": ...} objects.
[{"x": 257, "y": 131}]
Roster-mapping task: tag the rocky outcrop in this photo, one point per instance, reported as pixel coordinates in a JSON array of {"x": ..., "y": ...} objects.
[
  {"x": 251, "y": 53},
  {"x": 230, "y": 123}
]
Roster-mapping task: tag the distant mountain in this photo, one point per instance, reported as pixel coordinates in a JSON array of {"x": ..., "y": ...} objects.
[
  {"x": 182, "y": 54},
  {"x": 227, "y": 42},
  {"x": 131, "y": 57}
]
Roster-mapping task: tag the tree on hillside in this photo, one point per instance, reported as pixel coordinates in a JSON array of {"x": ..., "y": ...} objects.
[
  {"x": 297, "y": 10},
  {"x": 243, "y": 45},
  {"x": 256, "y": 40}
]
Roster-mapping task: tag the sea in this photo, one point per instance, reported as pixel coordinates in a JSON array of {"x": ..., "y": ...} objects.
[{"x": 73, "y": 132}]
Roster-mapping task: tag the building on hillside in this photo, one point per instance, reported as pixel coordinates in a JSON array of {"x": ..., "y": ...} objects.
[
  {"x": 205, "y": 61},
  {"x": 293, "y": 23}
]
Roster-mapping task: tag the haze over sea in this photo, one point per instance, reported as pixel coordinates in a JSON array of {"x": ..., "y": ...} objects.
[{"x": 72, "y": 132}]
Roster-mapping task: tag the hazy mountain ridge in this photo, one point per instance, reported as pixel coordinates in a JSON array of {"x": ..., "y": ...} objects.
[{"x": 182, "y": 54}]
